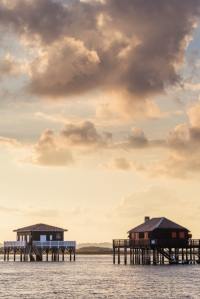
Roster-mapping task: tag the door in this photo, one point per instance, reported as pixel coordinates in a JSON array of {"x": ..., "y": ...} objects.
[{"x": 43, "y": 238}]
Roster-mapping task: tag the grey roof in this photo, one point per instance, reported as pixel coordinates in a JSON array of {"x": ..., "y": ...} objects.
[
  {"x": 40, "y": 227},
  {"x": 154, "y": 223}
]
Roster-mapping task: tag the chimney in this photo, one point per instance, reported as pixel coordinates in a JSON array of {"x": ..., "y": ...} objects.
[{"x": 146, "y": 218}]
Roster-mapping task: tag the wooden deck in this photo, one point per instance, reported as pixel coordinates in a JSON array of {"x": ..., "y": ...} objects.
[
  {"x": 39, "y": 251},
  {"x": 147, "y": 252}
]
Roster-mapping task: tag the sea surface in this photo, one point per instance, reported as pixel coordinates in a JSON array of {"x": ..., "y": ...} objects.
[{"x": 96, "y": 277}]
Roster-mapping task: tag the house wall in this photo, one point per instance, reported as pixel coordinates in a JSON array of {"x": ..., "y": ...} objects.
[
  {"x": 169, "y": 234},
  {"x": 161, "y": 237},
  {"x": 161, "y": 234},
  {"x": 35, "y": 236}
]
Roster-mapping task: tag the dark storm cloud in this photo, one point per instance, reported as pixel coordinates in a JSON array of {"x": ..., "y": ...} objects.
[{"x": 130, "y": 45}]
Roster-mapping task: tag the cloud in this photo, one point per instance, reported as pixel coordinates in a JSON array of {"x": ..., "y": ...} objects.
[
  {"x": 124, "y": 164},
  {"x": 9, "y": 142},
  {"x": 120, "y": 108},
  {"x": 68, "y": 65},
  {"x": 137, "y": 139},
  {"x": 49, "y": 152},
  {"x": 184, "y": 143},
  {"x": 179, "y": 149},
  {"x": 56, "y": 149},
  {"x": 8, "y": 66},
  {"x": 85, "y": 134},
  {"x": 134, "y": 47},
  {"x": 194, "y": 115},
  {"x": 119, "y": 164}
]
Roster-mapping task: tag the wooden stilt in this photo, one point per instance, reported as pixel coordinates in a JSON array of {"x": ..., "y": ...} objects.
[
  {"x": 125, "y": 255},
  {"x": 154, "y": 256},
  {"x": 118, "y": 255},
  {"x": 186, "y": 254},
  {"x": 131, "y": 256},
  {"x": 4, "y": 255},
  {"x": 74, "y": 255},
  {"x": 113, "y": 254}
]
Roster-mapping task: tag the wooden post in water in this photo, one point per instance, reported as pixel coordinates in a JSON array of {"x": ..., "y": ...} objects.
[
  {"x": 4, "y": 254},
  {"x": 118, "y": 253},
  {"x": 154, "y": 256},
  {"x": 186, "y": 254},
  {"x": 190, "y": 254},
  {"x": 113, "y": 254},
  {"x": 182, "y": 255},
  {"x": 131, "y": 256},
  {"x": 125, "y": 255},
  {"x": 194, "y": 260},
  {"x": 7, "y": 254},
  {"x": 74, "y": 254}
]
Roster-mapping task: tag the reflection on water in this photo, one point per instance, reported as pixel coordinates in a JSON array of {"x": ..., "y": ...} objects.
[{"x": 96, "y": 277}]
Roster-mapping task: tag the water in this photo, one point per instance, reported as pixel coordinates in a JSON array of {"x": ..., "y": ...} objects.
[{"x": 96, "y": 277}]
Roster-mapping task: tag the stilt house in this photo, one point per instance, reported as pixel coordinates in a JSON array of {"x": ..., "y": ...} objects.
[
  {"x": 157, "y": 241},
  {"x": 159, "y": 232},
  {"x": 35, "y": 242}
]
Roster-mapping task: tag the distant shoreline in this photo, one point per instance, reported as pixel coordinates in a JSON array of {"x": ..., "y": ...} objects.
[{"x": 92, "y": 250}]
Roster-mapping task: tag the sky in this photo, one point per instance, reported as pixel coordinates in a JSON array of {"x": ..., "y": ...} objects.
[{"x": 99, "y": 115}]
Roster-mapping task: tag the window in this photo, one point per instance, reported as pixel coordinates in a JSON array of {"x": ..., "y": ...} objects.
[
  {"x": 141, "y": 235},
  {"x": 50, "y": 237},
  {"x": 146, "y": 235},
  {"x": 136, "y": 236},
  {"x": 173, "y": 235},
  {"x": 58, "y": 236},
  {"x": 182, "y": 235}
]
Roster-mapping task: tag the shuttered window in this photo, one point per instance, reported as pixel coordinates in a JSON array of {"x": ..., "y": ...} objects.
[
  {"x": 182, "y": 235},
  {"x": 173, "y": 235},
  {"x": 136, "y": 236}
]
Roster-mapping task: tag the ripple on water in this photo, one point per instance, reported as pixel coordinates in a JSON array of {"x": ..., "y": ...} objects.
[{"x": 96, "y": 277}]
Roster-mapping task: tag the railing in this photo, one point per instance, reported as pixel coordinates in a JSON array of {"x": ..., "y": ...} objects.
[
  {"x": 130, "y": 243},
  {"x": 14, "y": 244},
  {"x": 55, "y": 244},
  {"x": 121, "y": 243},
  {"x": 152, "y": 243},
  {"x": 194, "y": 243}
]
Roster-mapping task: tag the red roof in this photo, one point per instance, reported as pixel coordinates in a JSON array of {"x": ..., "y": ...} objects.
[
  {"x": 40, "y": 227},
  {"x": 155, "y": 223}
]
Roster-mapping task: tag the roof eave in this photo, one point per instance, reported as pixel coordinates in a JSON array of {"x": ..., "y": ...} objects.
[{"x": 28, "y": 231}]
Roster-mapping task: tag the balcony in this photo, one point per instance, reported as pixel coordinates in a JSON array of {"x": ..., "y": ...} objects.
[
  {"x": 14, "y": 244},
  {"x": 55, "y": 244},
  {"x": 39, "y": 244},
  {"x": 153, "y": 243}
]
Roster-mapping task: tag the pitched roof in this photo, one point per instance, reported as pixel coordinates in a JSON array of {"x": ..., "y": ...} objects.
[
  {"x": 155, "y": 223},
  {"x": 40, "y": 227}
]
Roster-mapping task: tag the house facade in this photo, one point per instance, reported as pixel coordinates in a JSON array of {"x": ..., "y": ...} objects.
[
  {"x": 159, "y": 232},
  {"x": 40, "y": 232},
  {"x": 35, "y": 241}
]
